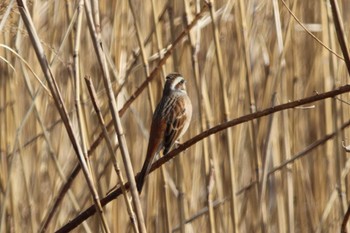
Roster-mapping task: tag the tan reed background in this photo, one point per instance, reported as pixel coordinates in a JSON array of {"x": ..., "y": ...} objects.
[{"x": 253, "y": 56}]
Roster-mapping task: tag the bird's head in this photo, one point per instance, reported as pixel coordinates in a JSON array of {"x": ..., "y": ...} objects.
[{"x": 175, "y": 82}]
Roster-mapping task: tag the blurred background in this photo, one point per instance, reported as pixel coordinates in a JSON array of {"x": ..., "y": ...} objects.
[{"x": 239, "y": 58}]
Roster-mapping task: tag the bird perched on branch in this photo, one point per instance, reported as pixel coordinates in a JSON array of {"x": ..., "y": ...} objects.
[{"x": 170, "y": 121}]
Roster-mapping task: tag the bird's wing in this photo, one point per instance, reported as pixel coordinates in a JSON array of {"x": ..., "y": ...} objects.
[{"x": 175, "y": 124}]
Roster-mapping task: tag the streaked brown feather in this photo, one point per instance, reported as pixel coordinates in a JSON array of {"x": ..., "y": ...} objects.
[
  {"x": 169, "y": 121},
  {"x": 175, "y": 125}
]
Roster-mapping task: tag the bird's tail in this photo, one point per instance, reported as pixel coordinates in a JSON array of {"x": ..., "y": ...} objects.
[{"x": 142, "y": 175}]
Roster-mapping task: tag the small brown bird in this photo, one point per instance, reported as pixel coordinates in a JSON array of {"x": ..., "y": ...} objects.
[{"x": 170, "y": 121}]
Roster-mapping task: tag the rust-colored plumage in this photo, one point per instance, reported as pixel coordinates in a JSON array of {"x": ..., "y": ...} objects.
[{"x": 170, "y": 121}]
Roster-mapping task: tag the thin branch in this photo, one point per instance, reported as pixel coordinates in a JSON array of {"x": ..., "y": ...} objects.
[{"x": 111, "y": 196}]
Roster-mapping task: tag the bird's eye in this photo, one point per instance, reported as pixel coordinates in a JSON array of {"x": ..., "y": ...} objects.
[{"x": 182, "y": 81}]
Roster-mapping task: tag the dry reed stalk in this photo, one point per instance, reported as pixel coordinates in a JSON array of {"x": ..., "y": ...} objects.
[
  {"x": 94, "y": 99},
  {"x": 331, "y": 106},
  {"x": 208, "y": 116},
  {"x": 181, "y": 194},
  {"x": 144, "y": 62},
  {"x": 267, "y": 155},
  {"x": 194, "y": 42},
  {"x": 133, "y": 61},
  {"x": 339, "y": 116},
  {"x": 28, "y": 195},
  {"x": 163, "y": 171},
  {"x": 337, "y": 108},
  {"x": 339, "y": 27},
  {"x": 329, "y": 83},
  {"x": 70, "y": 17},
  {"x": 96, "y": 38},
  {"x": 59, "y": 104},
  {"x": 243, "y": 31},
  {"x": 68, "y": 35},
  {"x": 158, "y": 34},
  {"x": 12, "y": 163},
  {"x": 224, "y": 99},
  {"x": 6, "y": 14},
  {"x": 208, "y": 156},
  {"x": 285, "y": 58},
  {"x": 47, "y": 140},
  {"x": 210, "y": 187},
  {"x": 143, "y": 54},
  {"x": 283, "y": 77},
  {"x": 178, "y": 163},
  {"x": 33, "y": 97},
  {"x": 77, "y": 78}
]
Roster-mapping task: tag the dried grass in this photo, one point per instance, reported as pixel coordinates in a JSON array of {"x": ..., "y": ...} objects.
[{"x": 254, "y": 56}]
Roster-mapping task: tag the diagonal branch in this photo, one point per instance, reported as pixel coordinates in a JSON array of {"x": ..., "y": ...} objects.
[{"x": 112, "y": 195}]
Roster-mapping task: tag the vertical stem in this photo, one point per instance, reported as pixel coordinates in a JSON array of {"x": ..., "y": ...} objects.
[
  {"x": 285, "y": 125},
  {"x": 96, "y": 39},
  {"x": 77, "y": 81},
  {"x": 194, "y": 39},
  {"x": 60, "y": 105},
  {"x": 222, "y": 79},
  {"x": 181, "y": 194},
  {"x": 178, "y": 160},
  {"x": 339, "y": 27},
  {"x": 143, "y": 54},
  {"x": 164, "y": 177},
  {"x": 94, "y": 99}
]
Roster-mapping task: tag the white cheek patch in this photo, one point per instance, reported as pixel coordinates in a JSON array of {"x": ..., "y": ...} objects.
[{"x": 175, "y": 82}]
